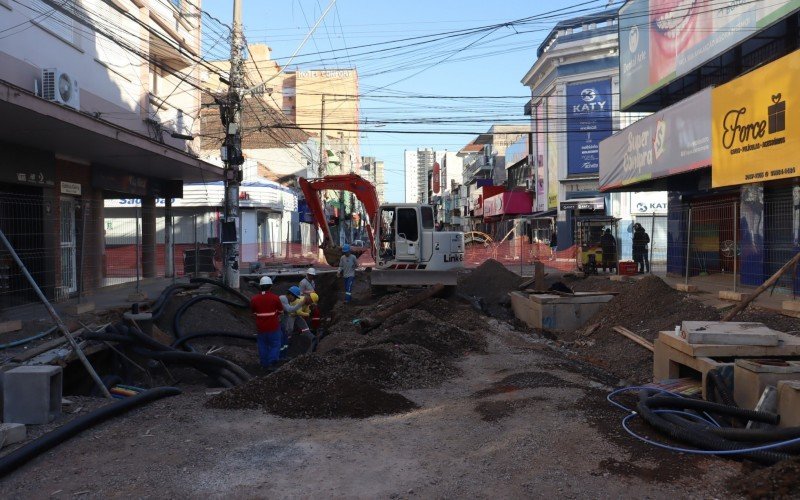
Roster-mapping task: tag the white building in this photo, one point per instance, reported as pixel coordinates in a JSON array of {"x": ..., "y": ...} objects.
[{"x": 98, "y": 101}]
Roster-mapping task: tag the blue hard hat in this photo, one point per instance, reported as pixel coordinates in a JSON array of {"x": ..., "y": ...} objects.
[
  {"x": 345, "y": 248},
  {"x": 295, "y": 290}
]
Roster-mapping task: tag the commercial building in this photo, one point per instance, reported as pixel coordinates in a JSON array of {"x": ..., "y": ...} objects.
[
  {"x": 574, "y": 85},
  {"x": 98, "y": 101},
  {"x": 723, "y": 139},
  {"x": 418, "y": 165}
]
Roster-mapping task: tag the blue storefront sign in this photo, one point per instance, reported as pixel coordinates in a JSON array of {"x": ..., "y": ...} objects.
[{"x": 588, "y": 123}]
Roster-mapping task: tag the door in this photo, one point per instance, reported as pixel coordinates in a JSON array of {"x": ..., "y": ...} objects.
[
  {"x": 407, "y": 235},
  {"x": 249, "y": 248},
  {"x": 69, "y": 280}
]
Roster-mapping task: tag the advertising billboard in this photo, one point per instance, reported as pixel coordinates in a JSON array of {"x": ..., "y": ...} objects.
[
  {"x": 674, "y": 140},
  {"x": 517, "y": 151},
  {"x": 662, "y": 40},
  {"x": 541, "y": 176},
  {"x": 755, "y": 134},
  {"x": 588, "y": 122},
  {"x": 550, "y": 114}
]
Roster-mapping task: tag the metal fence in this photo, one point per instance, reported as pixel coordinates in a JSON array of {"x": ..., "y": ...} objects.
[{"x": 74, "y": 246}]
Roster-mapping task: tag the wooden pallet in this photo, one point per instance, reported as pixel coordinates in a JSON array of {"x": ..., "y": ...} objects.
[{"x": 667, "y": 363}]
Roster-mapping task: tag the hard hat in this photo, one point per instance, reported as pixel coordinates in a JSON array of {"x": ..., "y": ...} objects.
[
  {"x": 314, "y": 297},
  {"x": 345, "y": 248},
  {"x": 266, "y": 280},
  {"x": 295, "y": 290},
  {"x": 311, "y": 271}
]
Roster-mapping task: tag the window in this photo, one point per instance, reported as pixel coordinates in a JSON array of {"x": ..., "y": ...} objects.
[
  {"x": 427, "y": 217},
  {"x": 407, "y": 224},
  {"x": 176, "y": 4},
  {"x": 55, "y": 20}
]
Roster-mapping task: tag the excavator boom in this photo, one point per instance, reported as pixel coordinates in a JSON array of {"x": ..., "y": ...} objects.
[{"x": 363, "y": 190}]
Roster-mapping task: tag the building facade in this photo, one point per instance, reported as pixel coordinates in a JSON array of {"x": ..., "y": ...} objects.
[{"x": 99, "y": 101}]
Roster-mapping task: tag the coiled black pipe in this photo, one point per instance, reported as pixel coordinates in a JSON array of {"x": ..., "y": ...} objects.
[
  {"x": 176, "y": 322},
  {"x": 244, "y": 336},
  {"x": 18, "y": 457},
  {"x": 696, "y": 404},
  {"x": 703, "y": 440},
  {"x": 722, "y": 388},
  {"x": 157, "y": 308},
  {"x": 198, "y": 359},
  {"x": 244, "y": 298},
  {"x": 757, "y": 435}
]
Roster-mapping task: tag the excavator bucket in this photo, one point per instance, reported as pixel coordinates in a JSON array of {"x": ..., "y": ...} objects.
[{"x": 333, "y": 254}]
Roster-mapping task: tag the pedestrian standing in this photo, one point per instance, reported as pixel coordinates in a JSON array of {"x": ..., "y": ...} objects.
[
  {"x": 639, "y": 249},
  {"x": 553, "y": 244},
  {"x": 267, "y": 309},
  {"x": 608, "y": 244},
  {"x": 347, "y": 269}
]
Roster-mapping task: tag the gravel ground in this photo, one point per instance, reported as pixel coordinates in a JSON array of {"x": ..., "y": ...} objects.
[{"x": 519, "y": 421}]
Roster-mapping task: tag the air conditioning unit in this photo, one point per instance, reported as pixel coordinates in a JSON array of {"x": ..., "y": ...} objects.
[{"x": 61, "y": 88}]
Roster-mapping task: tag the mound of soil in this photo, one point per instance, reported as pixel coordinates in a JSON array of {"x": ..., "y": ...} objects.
[
  {"x": 419, "y": 327},
  {"x": 782, "y": 480},
  {"x": 491, "y": 281},
  {"x": 646, "y": 307},
  {"x": 297, "y": 394}
]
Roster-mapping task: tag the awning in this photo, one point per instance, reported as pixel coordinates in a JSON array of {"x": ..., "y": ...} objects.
[
  {"x": 32, "y": 121},
  {"x": 584, "y": 204},
  {"x": 544, "y": 214}
]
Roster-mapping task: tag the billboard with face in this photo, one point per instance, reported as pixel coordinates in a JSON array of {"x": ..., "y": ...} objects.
[{"x": 662, "y": 40}]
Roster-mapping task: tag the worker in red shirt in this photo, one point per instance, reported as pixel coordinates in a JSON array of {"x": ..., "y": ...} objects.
[{"x": 267, "y": 308}]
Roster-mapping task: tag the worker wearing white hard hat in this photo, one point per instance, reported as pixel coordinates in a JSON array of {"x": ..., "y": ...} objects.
[
  {"x": 309, "y": 284},
  {"x": 267, "y": 308}
]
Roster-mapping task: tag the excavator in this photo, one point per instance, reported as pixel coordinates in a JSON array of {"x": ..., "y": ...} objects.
[{"x": 407, "y": 248}]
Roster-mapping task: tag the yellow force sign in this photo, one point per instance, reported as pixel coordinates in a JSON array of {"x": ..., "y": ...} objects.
[{"x": 755, "y": 125}]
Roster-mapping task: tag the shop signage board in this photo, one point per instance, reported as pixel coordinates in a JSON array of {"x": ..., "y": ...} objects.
[
  {"x": 662, "y": 40},
  {"x": 674, "y": 140},
  {"x": 588, "y": 123},
  {"x": 756, "y": 125}
]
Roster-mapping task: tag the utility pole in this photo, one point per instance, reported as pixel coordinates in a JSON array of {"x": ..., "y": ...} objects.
[
  {"x": 231, "y": 114},
  {"x": 322, "y": 173}
]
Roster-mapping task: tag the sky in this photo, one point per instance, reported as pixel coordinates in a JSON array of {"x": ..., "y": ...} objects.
[{"x": 461, "y": 49}]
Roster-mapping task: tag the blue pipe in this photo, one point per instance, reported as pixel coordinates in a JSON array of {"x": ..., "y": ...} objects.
[
  {"x": 772, "y": 446},
  {"x": 28, "y": 339}
]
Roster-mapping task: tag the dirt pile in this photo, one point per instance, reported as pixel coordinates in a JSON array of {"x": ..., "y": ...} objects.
[
  {"x": 352, "y": 375},
  {"x": 646, "y": 307},
  {"x": 297, "y": 394},
  {"x": 782, "y": 480},
  {"x": 491, "y": 281}
]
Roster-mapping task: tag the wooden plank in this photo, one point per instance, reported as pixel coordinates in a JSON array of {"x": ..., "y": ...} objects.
[
  {"x": 636, "y": 338},
  {"x": 725, "y": 333},
  {"x": 788, "y": 345},
  {"x": 42, "y": 348},
  {"x": 10, "y": 326}
]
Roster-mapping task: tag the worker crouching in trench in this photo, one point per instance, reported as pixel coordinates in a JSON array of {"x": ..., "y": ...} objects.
[{"x": 294, "y": 322}]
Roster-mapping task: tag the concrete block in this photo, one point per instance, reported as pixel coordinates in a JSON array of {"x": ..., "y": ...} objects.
[
  {"x": 752, "y": 376},
  {"x": 32, "y": 394},
  {"x": 791, "y": 314},
  {"x": 789, "y": 403},
  {"x": 77, "y": 309},
  {"x": 729, "y": 295},
  {"x": 791, "y": 305},
  {"x": 729, "y": 333},
  {"x": 10, "y": 326},
  {"x": 12, "y": 433},
  {"x": 683, "y": 287},
  {"x": 620, "y": 277}
]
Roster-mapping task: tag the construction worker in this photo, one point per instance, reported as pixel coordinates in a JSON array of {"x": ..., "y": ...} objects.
[
  {"x": 347, "y": 269},
  {"x": 307, "y": 284},
  {"x": 293, "y": 302},
  {"x": 608, "y": 244},
  {"x": 267, "y": 308}
]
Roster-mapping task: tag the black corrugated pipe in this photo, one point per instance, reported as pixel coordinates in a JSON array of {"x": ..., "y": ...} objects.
[
  {"x": 700, "y": 438},
  {"x": 244, "y": 298},
  {"x": 696, "y": 404},
  {"x": 176, "y": 322},
  {"x": 194, "y": 358},
  {"x": 722, "y": 388},
  {"x": 244, "y": 336},
  {"x": 18, "y": 457},
  {"x": 157, "y": 309}
]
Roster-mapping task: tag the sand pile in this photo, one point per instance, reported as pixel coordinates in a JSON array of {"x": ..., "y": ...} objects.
[
  {"x": 645, "y": 307},
  {"x": 491, "y": 281}
]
